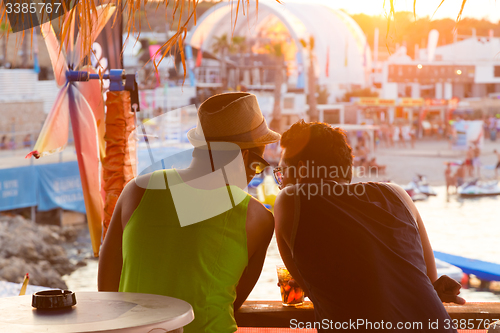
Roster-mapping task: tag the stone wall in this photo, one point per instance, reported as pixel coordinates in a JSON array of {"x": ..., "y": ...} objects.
[{"x": 21, "y": 117}]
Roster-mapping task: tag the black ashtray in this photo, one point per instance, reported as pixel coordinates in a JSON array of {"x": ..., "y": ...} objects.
[{"x": 53, "y": 299}]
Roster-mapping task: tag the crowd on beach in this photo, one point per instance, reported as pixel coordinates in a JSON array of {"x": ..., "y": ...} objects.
[
  {"x": 11, "y": 144},
  {"x": 470, "y": 168}
]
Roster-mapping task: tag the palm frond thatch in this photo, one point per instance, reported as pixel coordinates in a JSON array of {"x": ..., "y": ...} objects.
[{"x": 183, "y": 13}]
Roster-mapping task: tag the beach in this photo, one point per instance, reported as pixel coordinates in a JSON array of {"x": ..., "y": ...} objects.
[{"x": 427, "y": 158}]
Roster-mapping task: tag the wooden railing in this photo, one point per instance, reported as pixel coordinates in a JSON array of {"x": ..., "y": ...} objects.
[{"x": 273, "y": 314}]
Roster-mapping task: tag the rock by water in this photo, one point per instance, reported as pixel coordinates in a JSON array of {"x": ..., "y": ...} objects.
[{"x": 27, "y": 247}]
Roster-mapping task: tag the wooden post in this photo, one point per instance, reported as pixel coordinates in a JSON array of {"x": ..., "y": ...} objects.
[{"x": 120, "y": 155}]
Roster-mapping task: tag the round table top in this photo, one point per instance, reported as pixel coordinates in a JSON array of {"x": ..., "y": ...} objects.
[{"x": 97, "y": 312}]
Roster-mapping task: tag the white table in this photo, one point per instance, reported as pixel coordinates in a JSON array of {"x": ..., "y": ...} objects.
[{"x": 97, "y": 312}]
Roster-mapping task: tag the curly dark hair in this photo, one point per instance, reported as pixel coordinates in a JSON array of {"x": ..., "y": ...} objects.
[{"x": 318, "y": 143}]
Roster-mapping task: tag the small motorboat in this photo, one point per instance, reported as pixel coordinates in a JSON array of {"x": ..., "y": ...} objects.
[
  {"x": 419, "y": 186},
  {"x": 477, "y": 188},
  {"x": 415, "y": 195}
]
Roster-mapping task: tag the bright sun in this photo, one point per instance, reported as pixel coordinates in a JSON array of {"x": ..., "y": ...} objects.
[{"x": 450, "y": 8}]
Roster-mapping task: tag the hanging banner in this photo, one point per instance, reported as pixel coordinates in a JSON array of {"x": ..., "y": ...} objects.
[
  {"x": 374, "y": 101},
  {"x": 468, "y": 133},
  {"x": 461, "y": 135},
  {"x": 411, "y": 102},
  {"x": 60, "y": 187},
  {"x": 17, "y": 188}
]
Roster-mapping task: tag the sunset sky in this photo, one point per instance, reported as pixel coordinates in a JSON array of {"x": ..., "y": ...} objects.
[{"x": 450, "y": 8}]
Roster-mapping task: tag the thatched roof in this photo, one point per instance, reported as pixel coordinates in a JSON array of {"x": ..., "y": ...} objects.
[{"x": 181, "y": 16}]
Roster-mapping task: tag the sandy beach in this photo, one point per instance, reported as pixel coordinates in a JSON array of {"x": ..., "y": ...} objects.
[{"x": 427, "y": 158}]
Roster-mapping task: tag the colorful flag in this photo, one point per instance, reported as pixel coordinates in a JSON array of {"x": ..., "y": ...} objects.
[
  {"x": 327, "y": 67},
  {"x": 199, "y": 56},
  {"x": 36, "y": 65},
  {"x": 84, "y": 106},
  {"x": 155, "y": 55},
  {"x": 190, "y": 65}
]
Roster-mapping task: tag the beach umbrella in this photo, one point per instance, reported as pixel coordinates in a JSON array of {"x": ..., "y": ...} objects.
[{"x": 82, "y": 102}]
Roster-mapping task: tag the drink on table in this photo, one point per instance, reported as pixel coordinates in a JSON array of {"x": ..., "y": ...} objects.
[{"x": 291, "y": 293}]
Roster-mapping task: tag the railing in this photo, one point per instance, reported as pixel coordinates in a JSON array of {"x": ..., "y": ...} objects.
[{"x": 273, "y": 314}]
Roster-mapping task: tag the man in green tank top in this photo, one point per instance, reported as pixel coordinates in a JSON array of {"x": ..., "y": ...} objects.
[{"x": 194, "y": 234}]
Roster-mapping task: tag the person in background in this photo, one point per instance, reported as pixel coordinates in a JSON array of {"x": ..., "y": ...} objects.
[
  {"x": 469, "y": 155},
  {"x": 450, "y": 179},
  {"x": 212, "y": 263},
  {"x": 498, "y": 162},
  {"x": 361, "y": 155},
  {"x": 460, "y": 175},
  {"x": 27, "y": 141},
  {"x": 492, "y": 128},
  {"x": 3, "y": 143},
  {"x": 401, "y": 137},
  {"x": 497, "y": 122},
  {"x": 390, "y": 133},
  {"x": 358, "y": 250},
  {"x": 476, "y": 161},
  {"x": 451, "y": 133},
  {"x": 413, "y": 135},
  {"x": 12, "y": 143}
]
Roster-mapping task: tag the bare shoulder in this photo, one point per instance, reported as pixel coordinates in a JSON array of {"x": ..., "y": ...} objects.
[
  {"x": 259, "y": 226},
  {"x": 285, "y": 199},
  {"x": 131, "y": 197},
  {"x": 284, "y": 212},
  {"x": 284, "y": 207},
  {"x": 258, "y": 214}
]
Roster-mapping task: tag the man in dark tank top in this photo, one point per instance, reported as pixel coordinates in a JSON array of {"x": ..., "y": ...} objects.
[{"x": 359, "y": 250}]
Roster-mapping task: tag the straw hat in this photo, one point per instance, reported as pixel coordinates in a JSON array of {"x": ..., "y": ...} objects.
[{"x": 232, "y": 117}]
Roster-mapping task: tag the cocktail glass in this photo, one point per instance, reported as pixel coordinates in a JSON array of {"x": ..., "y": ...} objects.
[{"x": 291, "y": 293}]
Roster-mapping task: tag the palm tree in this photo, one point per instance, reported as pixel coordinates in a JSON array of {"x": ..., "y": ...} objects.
[
  {"x": 276, "y": 50},
  {"x": 3, "y": 30},
  {"x": 311, "y": 78},
  {"x": 222, "y": 46},
  {"x": 239, "y": 46}
]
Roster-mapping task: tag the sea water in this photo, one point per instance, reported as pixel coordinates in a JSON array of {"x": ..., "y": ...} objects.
[{"x": 464, "y": 227}]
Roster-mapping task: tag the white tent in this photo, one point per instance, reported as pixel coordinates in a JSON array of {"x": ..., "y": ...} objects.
[{"x": 337, "y": 37}]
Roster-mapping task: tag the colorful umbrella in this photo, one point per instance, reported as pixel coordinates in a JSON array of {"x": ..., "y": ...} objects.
[{"x": 83, "y": 103}]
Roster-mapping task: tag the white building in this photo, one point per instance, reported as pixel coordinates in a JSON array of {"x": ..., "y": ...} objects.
[{"x": 469, "y": 68}]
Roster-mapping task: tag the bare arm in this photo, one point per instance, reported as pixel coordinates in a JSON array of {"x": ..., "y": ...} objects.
[
  {"x": 110, "y": 259},
  {"x": 284, "y": 209},
  {"x": 260, "y": 228},
  {"x": 426, "y": 244},
  {"x": 249, "y": 277}
]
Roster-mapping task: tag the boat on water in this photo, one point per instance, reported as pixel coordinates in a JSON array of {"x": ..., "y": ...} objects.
[
  {"x": 415, "y": 194},
  {"x": 478, "y": 188},
  {"x": 419, "y": 188},
  {"x": 444, "y": 268}
]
